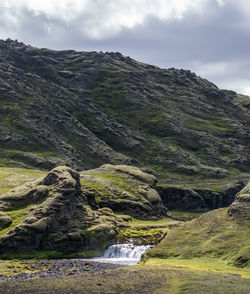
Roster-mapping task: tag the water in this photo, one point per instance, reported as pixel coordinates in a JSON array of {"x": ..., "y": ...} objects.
[{"x": 128, "y": 254}]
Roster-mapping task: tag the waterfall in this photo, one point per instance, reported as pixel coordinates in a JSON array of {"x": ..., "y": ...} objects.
[
  {"x": 129, "y": 251},
  {"x": 128, "y": 254}
]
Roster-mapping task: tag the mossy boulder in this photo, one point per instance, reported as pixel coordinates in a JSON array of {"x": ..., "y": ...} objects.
[
  {"x": 124, "y": 189},
  {"x": 240, "y": 208},
  {"x": 5, "y": 220},
  {"x": 53, "y": 213}
]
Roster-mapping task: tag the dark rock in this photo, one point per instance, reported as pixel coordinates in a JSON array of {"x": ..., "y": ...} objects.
[
  {"x": 181, "y": 198},
  {"x": 5, "y": 220},
  {"x": 178, "y": 197},
  {"x": 240, "y": 208}
]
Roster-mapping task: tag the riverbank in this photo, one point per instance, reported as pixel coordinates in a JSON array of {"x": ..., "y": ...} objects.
[
  {"x": 17, "y": 270},
  {"x": 141, "y": 279}
]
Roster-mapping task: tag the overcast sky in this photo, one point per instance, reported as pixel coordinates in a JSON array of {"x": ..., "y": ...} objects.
[{"x": 209, "y": 37}]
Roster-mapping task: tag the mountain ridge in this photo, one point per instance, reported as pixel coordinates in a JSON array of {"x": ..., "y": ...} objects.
[{"x": 84, "y": 109}]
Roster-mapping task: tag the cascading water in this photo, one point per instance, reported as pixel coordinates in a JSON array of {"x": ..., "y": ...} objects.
[
  {"x": 128, "y": 254},
  {"x": 125, "y": 251}
]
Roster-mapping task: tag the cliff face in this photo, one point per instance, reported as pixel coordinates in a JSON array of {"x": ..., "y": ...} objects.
[{"x": 84, "y": 109}]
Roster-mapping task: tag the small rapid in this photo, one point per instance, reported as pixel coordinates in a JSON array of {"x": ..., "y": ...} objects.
[{"x": 128, "y": 254}]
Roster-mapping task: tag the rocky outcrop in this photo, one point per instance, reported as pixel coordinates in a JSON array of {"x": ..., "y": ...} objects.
[
  {"x": 240, "y": 208},
  {"x": 183, "y": 198},
  {"x": 5, "y": 220},
  {"x": 53, "y": 213},
  {"x": 124, "y": 189},
  {"x": 85, "y": 109}
]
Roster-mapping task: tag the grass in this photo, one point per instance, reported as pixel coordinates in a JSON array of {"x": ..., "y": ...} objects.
[
  {"x": 212, "y": 235},
  {"x": 141, "y": 235},
  {"x": 182, "y": 215},
  {"x": 34, "y": 255},
  {"x": 161, "y": 223},
  {"x": 12, "y": 177},
  {"x": 17, "y": 216},
  {"x": 118, "y": 180},
  {"x": 145, "y": 231},
  {"x": 150, "y": 278},
  {"x": 203, "y": 264}
]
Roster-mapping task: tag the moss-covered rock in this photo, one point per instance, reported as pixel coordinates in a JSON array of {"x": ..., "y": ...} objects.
[
  {"x": 124, "y": 189},
  {"x": 5, "y": 220},
  {"x": 240, "y": 208},
  {"x": 53, "y": 213}
]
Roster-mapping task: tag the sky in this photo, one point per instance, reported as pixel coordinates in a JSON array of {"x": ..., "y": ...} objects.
[{"x": 208, "y": 37}]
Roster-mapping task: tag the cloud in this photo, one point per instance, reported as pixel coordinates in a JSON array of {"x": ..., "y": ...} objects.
[
  {"x": 210, "y": 37},
  {"x": 101, "y": 18}
]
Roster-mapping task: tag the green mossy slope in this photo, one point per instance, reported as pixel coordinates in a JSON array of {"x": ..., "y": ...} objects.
[
  {"x": 223, "y": 233},
  {"x": 124, "y": 189},
  {"x": 85, "y": 109}
]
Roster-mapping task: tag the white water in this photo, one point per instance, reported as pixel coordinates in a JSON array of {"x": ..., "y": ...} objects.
[{"x": 123, "y": 254}]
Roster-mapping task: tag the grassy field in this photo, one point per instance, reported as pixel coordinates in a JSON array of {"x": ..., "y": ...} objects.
[
  {"x": 12, "y": 177},
  {"x": 157, "y": 278}
]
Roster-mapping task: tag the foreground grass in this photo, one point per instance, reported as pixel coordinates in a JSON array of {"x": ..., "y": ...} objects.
[
  {"x": 202, "y": 264},
  {"x": 149, "y": 278}
]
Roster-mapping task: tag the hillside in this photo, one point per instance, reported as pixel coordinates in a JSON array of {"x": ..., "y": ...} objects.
[
  {"x": 84, "y": 109},
  {"x": 221, "y": 234}
]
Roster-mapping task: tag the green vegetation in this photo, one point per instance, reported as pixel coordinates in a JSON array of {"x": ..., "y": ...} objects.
[
  {"x": 202, "y": 264},
  {"x": 17, "y": 217},
  {"x": 141, "y": 235},
  {"x": 13, "y": 177},
  {"x": 151, "y": 278},
  {"x": 118, "y": 180},
  {"x": 182, "y": 215},
  {"x": 213, "y": 235},
  {"x": 34, "y": 254}
]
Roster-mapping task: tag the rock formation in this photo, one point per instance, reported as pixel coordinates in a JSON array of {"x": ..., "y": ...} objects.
[
  {"x": 184, "y": 198},
  {"x": 240, "y": 208},
  {"x": 125, "y": 189},
  {"x": 53, "y": 213},
  {"x": 67, "y": 211}
]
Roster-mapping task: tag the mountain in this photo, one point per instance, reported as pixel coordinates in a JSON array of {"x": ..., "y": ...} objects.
[{"x": 85, "y": 109}]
